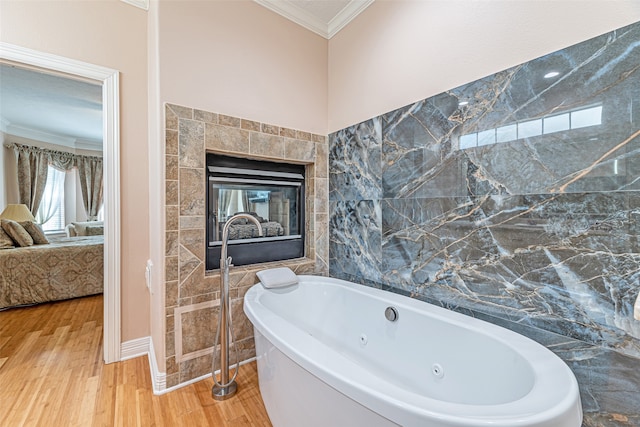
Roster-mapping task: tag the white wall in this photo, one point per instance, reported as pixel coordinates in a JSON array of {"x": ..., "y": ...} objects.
[
  {"x": 156, "y": 191},
  {"x": 241, "y": 59},
  {"x": 398, "y": 52}
]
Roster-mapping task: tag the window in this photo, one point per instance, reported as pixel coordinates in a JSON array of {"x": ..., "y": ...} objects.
[
  {"x": 590, "y": 116},
  {"x": 51, "y": 211}
]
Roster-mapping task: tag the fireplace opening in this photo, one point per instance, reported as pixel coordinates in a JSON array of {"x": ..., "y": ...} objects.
[{"x": 272, "y": 192}]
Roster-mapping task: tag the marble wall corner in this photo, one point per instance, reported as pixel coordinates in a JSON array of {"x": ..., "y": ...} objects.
[
  {"x": 355, "y": 159},
  {"x": 355, "y": 239}
]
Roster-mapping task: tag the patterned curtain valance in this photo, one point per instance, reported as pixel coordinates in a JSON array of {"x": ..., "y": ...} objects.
[
  {"x": 60, "y": 159},
  {"x": 32, "y": 164}
]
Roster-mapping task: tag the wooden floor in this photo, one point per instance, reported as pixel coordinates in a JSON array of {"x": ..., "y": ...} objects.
[{"x": 51, "y": 373}]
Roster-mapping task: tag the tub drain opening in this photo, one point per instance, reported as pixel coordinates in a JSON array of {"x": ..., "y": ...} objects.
[{"x": 437, "y": 370}]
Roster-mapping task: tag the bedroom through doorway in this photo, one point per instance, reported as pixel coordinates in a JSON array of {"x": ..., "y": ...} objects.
[{"x": 100, "y": 123}]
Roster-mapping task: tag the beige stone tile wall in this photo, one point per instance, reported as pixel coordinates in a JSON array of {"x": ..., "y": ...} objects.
[{"x": 192, "y": 296}]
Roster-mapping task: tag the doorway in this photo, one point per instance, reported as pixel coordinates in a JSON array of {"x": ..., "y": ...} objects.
[{"x": 109, "y": 80}]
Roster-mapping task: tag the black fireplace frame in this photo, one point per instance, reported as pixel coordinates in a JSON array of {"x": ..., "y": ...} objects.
[{"x": 254, "y": 252}]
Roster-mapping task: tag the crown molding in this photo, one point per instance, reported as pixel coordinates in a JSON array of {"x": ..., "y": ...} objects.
[
  {"x": 296, "y": 15},
  {"x": 312, "y": 23},
  {"x": 50, "y": 138},
  {"x": 346, "y": 15},
  {"x": 85, "y": 144},
  {"x": 36, "y": 135},
  {"x": 142, "y": 4}
]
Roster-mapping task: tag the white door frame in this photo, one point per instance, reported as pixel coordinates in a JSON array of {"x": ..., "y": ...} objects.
[{"x": 111, "y": 151}]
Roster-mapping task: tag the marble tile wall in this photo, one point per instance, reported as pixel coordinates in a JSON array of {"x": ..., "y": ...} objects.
[
  {"x": 514, "y": 198},
  {"x": 192, "y": 296}
]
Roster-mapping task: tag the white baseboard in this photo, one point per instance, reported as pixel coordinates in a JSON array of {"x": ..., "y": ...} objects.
[
  {"x": 159, "y": 379},
  {"x": 140, "y": 347},
  {"x": 135, "y": 348},
  {"x": 195, "y": 380}
]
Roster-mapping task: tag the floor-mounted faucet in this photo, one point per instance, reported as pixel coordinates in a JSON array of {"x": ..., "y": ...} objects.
[{"x": 226, "y": 387}]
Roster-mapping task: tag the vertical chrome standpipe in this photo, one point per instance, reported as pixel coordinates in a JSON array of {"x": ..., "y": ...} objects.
[{"x": 227, "y": 386}]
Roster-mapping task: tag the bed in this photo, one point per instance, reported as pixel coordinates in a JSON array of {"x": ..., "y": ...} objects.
[{"x": 65, "y": 268}]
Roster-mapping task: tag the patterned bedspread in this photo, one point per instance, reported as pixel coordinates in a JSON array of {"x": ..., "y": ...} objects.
[{"x": 65, "y": 268}]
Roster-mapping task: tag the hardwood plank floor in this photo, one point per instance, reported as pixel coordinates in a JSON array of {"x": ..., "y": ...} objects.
[{"x": 51, "y": 373}]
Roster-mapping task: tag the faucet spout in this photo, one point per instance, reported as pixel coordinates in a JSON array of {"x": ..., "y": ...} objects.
[
  {"x": 225, "y": 233},
  {"x": 227, "y": 386}
]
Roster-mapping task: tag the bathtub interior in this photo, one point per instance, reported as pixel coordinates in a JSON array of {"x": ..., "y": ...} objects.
[
  {"x": 430, "y": 364},
  {"x": 440, "y": 359}
]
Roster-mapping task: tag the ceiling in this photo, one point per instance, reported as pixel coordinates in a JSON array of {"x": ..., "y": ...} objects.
[
  {"x": 324, "y": 17},
  {"x": 50, "y": 108}
]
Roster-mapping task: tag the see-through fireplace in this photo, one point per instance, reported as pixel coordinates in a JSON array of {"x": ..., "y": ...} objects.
[{"x": 270, "y": 191}]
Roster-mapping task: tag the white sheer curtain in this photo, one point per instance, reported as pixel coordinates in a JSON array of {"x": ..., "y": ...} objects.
[
  {"x": 52, "y": 202},
  {"x": 238, "y": 202}
]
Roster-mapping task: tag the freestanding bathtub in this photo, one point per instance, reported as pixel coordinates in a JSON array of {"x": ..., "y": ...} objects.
[{"x": 328, "y": 356}]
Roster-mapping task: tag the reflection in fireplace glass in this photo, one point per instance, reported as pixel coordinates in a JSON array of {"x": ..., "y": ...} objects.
[
  {"x": 272, "y": 192},
  {"x": 275, "y": 207}
]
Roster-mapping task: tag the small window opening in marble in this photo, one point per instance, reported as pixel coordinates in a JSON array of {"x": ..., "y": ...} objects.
[
  {"x": 271, "y": 192},
  {"x": 576, "y": 119}
]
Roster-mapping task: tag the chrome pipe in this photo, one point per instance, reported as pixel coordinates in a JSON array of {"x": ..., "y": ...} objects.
[{"x": 227, "y": 386}]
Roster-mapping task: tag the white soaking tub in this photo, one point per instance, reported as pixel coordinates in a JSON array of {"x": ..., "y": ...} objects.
[{"x": 328, "y": 357}]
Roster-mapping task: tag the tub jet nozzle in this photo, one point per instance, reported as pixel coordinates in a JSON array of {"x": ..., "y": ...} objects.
[{"x": 391, "y": 313}]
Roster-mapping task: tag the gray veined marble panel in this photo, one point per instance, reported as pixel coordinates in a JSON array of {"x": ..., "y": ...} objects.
[
  {"x": 515, "y": 198},
  {"x": 355, "y": 239},
  {"x": 355, "y": 162},
  {"x": 563, "y": 262},
  {"x": 521, "y": 133},
  {"x": 418, "y": 160}
]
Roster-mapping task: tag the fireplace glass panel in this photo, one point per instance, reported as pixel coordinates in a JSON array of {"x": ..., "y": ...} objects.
[
  {"x": 272, "y": 192},
  {"x": 276, "y": 207}
]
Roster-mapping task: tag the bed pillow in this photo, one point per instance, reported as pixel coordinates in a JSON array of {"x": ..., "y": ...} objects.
[
  {"x": 81, "y": 227},
  {"x": 17, "y": 233},
  {"x": 35, "y": 231},
  {"x": 94, "y": 230},
  {"x": 5, "y": 240}
]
